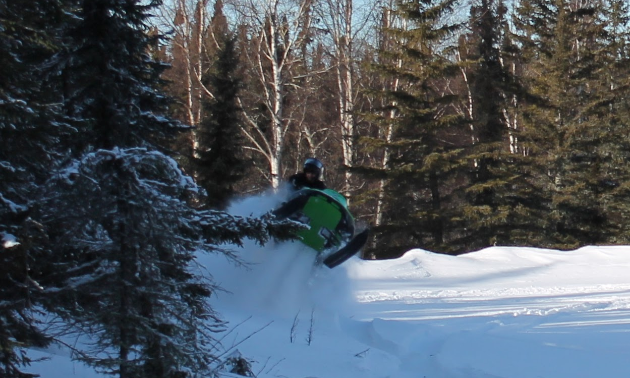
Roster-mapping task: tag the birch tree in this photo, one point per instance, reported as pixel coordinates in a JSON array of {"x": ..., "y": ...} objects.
[
  {"x": 388, "y": 21},
  {"x": 271, "y": 55},
  {"x": 187, "y": 21},
  {"x": 347, "y": 24},
  {"x": 374, "y": 145}
]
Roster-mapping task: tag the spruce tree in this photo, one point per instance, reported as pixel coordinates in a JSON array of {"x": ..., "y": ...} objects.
[
  {"x": 219, "y": 162},
  {"x": 608, "y": 114},
  {"x": 422, "y": 157},
  {"x": 110, "y": 79},
  {"x": 30, "y": 126},
  {"x": 566, "y": 67},
  {"x": 502, "y": 204},
  {"x": 115, "y": 195},
  {"x": 136, "y": 291},
  {"x": 123, "y": 231}
]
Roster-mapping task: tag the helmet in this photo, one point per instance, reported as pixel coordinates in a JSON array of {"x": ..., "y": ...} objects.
[{"x": 314, "y": 165}]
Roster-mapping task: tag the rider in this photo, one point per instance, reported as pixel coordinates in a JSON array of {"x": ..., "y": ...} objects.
[{"x": 310, "y": 175}]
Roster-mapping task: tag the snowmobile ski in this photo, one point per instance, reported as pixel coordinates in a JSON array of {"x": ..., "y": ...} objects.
[{"x": 347, "y": 251}]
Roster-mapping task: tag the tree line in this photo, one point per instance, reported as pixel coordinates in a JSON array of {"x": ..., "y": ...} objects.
[{"x": 451, "y": 125}]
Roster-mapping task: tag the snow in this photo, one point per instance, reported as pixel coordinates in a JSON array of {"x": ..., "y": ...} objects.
[
  {"x": 8, "y": 240},
  {"x": 502, "y": 312},
  {"x": 11, "y": 206}
]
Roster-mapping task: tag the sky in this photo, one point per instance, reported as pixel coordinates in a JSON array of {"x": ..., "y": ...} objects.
[{"x": 501, "y": 312}]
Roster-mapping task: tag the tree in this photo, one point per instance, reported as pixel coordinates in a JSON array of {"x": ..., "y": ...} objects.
[
  {"x": 187, "y": 21},
  {"x": 126, "y": 231},
  {"x": 220, "y": 164},
  {"x": 502, "y": 204},
  {"x": 344, "y": 22},
  {"x": 122, "y": 231},
  {"x": 111, "y": 80},
  {"x": 109, "y": 85},
  {"x": 613, "y": 106},
  {"x": 420, "y": 156},
  {"x": 30, "y": 126},
  {"x": 271, "y": 54},
  {"x": 190, "y": 51},
  {"x": 380, "y": 114},
  {"x": 567, "y": 61},
  {"x": 124, "y": 223}
]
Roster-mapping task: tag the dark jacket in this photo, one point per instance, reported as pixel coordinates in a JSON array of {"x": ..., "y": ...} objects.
[{"x": 299, "y": 181}]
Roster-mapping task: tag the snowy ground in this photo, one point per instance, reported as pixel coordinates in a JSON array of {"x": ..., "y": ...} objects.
[{"x": 500, "y": 312}]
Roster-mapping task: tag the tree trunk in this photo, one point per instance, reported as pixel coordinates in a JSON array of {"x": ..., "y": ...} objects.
[
  {"x": 273, "y": 59},
  {"x": 343, "y": 42}
]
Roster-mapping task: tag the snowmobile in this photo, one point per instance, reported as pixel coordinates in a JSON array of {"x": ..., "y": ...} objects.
[{"x": 331, "y": 228}]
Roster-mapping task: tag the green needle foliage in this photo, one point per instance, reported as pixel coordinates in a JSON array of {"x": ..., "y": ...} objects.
[
  {"x": 415, "y": 129},
  {"x": 572, "y": 59}
]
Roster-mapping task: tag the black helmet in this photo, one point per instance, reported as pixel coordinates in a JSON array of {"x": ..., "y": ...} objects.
[{"x": 314, "y": 165}]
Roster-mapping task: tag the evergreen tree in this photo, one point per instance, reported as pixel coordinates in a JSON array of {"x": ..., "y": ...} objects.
[
  {"x": 566, "y": 56},
  {"x": 423, "y": 157},
  {"x": 135, "y": 290},
  {"x": 30, "y": 126},
  {"x": 502, "y": 204},
  {"x": 134, "y": 283},
  {"x": 220, "y": 164},
  {"x": 122, "y": 232},
  {"x": 125, "y": 223},
  {"x": 110, "y": 79},
  {"x": 218, "y": 30},
  {"x": 607, "y": 115}
]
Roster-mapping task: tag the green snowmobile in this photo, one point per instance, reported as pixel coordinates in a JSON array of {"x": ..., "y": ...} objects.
[{"x": 331, "y": 228}]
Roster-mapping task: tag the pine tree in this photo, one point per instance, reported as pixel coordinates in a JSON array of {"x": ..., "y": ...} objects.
[
  {"x": 109, "y": 85},
  {"x": 607, "y": 113},
  {"x": 217, "y": 30},
  {"x": 122, "y": 230},
  {"x": 220, "y": 165}
]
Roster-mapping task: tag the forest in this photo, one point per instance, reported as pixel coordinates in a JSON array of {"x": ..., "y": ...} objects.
[
  {"x": 450, "y": 125},
  {"x": 127, "y": 127}
]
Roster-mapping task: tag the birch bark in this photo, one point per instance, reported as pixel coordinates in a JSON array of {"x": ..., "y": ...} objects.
[{"x": 274, "y": 26}]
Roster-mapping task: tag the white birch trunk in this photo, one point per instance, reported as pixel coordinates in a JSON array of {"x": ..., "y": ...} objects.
[
  {"x": 510, "y": 118},
  {"x": 343, "y": 43},
  {"x": 200, "y": 25},
  {"x": 380, "y": 203},
  {"x": 388, "y": 136},
  {"x": 339, "y": 18},
  {"x": 188, "y": 20},
  {"x": 277, "y": 94},
  {"x": 275, "y": 24}
]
